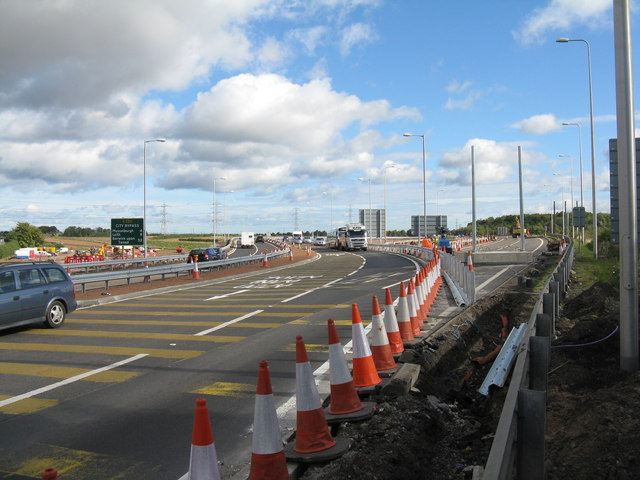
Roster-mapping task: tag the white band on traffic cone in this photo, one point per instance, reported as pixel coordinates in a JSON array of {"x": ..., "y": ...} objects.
[{"x": 203, "y": 463}]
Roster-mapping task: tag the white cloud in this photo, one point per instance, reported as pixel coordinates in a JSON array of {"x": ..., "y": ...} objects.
[
  {"x": 563, "y": 15},
  {"x": 495, "y": 162},
  {"x": 462, "y": 95},
  {"x": 457, "y": 87},
  {"x": 538, "y": 124},
  {"x": 355, "y": 35},
  {"x": 107, "y": 52}
]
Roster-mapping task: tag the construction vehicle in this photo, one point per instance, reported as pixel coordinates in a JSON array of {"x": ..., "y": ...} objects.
[{"x": 517, "y": 230}]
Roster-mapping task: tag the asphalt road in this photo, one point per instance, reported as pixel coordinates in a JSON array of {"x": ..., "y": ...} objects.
[
  {"x": 134, "y": 421},
  {"x": 160, "y": 352}
]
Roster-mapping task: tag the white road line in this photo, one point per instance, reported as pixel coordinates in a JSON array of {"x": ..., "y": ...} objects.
[
  {"x": 230, "y": 322},
  {"x": 484, "y": 284},
  {"x": 225, "y": 295},
  {"x": 70, "y": 380},
  {"x": 299, "y": 295}
]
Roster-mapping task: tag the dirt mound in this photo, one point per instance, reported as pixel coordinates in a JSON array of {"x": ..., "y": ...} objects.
[{"x": 593, "y": 430}]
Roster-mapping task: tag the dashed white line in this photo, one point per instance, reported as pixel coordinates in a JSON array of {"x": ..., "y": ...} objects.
[
  {"x": 225, "y": 295},
  {"x": 70, "y": 380},
  {"x": 230, "y": 322}
]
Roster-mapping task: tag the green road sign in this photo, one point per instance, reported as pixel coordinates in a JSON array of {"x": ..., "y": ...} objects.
[
  {"x": 579, "y": 217},
  {"x": 127, "y": 231}
]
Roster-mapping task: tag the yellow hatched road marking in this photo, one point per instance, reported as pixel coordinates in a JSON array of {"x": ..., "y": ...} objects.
[
  {"x": 103, "y": 321},
  {"x": 99, "y": 350},
  {"x": 213, "y": 304},
  {"x": 194, "y": 314},
  {"x": 305, "y": 321},
  {"x": 28, "y": 405},
  {"x": 70, "y": 463},
  {"x": 310, "y": 347},
  {"x": 50, "y": 371},
  {"x": 146, "y": 335},
  {"x": 227, "y": 389}
]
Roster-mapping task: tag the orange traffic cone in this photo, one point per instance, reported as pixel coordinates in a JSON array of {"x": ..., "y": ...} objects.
[
  {"x": 391, "y": 324},
  {"x": 195, "y": 274},
  {"x": 419, "y": 299},
  {"x": 267, "y": 457},
  {"x": 404, "y": 319},
  {"x": 411, "y": 302},
  {"x": 364, "y": 368},
  {"x": 313, "y": 442},
  {"x": 265, "y": 261},
  {"x": 50, "y": 474},
  {"x": 203, "y": 464},
  {"x": 380, "y": 348},
  {"x": 345, "y": 403},
  {"x": 470, "y": 262}
]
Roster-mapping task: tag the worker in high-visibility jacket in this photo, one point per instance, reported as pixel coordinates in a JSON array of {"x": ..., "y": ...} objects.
[{"x": 427, "y": 243}]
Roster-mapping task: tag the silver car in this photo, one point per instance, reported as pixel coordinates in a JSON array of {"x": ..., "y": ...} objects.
[{"x": 35, "y": 292}]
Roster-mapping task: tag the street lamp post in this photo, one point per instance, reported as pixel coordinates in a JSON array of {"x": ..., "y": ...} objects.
[
  {"x": 424, "y": 182},
  {"x": 563, "y": 205},
  {"x": 571, "y": 190},
  {"x": 580, "y": 150},
  {"x": 214, "y": 216},
  {"x": 144, "y": 193},
  {"x": 384, "y": 234},
  {"x": 368, "y": 178},
  {"x": 593, "y": 148},
  {"x": 330, "y": 211}
]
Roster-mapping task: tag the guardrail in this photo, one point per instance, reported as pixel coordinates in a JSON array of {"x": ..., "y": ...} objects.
[
  {"x": 518, "y": 447},
  {"x": 175, "y": 269},
  {"x": 460, "y": 279}
]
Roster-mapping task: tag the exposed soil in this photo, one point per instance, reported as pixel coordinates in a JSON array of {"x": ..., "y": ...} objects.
[{"x": 444, "y": 427}]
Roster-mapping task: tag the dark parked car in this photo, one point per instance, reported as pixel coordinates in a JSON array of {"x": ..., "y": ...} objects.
[
  {"x": 35, "y": 292},
  {"x": 207, "y": 254}
]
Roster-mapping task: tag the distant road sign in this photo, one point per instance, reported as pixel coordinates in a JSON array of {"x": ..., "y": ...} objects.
[
  {"x": 579, "y": 217},
  {"x": 127, "y": 231}
]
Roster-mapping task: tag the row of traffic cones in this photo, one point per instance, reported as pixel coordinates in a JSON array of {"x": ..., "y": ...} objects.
[{"x": 313, "y": 440}]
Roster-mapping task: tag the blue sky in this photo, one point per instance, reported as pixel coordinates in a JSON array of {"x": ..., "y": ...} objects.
[{"x": 293, "y": 102}]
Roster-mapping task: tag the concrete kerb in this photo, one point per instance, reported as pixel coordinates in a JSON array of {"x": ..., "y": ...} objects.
[{"x": 203, "y": 283}]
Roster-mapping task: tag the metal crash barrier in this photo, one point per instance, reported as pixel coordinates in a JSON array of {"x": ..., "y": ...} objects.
[{"x": 518, "y": 447}]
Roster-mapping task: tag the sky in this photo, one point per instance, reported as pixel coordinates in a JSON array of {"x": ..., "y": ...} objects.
[{"x": 290, "y": 114}]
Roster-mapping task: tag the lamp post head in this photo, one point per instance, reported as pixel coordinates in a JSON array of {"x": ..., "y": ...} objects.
[
  {"x": 562, "y": 40},
  {"x": 407, "y": 134}
]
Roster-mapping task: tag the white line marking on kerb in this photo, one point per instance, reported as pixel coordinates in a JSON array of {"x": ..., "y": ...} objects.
[
  {"x": 230, "y": 322},
  {"x": 483, "y": 284},
  {"x": 70, "y": 380},
  {"x": 225, "y": 295}
]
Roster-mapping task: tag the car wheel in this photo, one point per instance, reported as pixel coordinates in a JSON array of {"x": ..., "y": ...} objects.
[{"x": 56, "y": 314}]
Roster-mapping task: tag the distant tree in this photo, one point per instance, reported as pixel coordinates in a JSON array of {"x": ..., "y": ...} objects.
[
  {"x": 26, "y": 235},
  {"x": 52, "y": 230}
]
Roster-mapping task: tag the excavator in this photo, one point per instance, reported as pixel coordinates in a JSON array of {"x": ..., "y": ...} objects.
[{"x": 517, "y": 230}]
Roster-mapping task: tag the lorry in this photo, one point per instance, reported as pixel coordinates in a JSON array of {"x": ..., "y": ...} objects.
[
  {"x": 296, "y": 237},
  {"x": 246, "y": 240},
  {"x": 352, "y": 236}
]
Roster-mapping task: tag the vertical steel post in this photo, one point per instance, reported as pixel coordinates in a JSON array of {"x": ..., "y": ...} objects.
[{"x": 627, "y": 189}]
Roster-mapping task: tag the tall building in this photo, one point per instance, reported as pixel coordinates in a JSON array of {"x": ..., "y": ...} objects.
[
  {"x": 434, "y": 225},
  {"x": 375, "y": 221}
]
